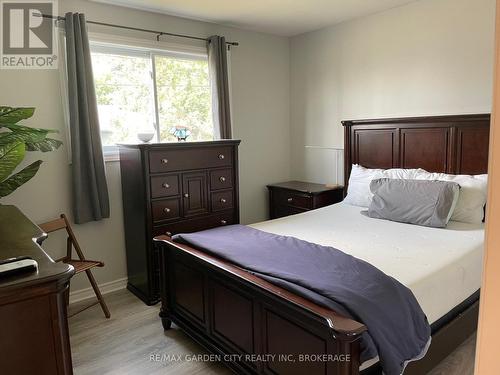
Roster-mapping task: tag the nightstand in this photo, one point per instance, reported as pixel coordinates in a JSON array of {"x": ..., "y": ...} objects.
[{"x": 293, "y": 197}]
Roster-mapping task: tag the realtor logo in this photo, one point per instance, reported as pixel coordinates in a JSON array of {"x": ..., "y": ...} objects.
[{"x": 28, "y": 39}]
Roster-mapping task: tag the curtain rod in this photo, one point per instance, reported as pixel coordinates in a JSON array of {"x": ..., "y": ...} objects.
[{"x": 158, "y": 33}]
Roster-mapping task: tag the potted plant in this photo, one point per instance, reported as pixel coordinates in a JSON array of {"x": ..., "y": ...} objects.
[{"x": 15, "y": 141}]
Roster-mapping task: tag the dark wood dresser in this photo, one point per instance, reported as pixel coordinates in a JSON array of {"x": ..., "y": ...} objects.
[
  {"x": 294, "y": 197},
  {"x": 170, "y": 188},
  {"x": 34, "y": 335}
]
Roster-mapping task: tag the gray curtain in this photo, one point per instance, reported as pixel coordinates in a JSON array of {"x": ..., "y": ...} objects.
[
  {"x": 219, "y": 81},
  {"x": 90, "y": 190}
]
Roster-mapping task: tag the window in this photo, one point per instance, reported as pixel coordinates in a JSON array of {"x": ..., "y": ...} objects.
[{"x": 141, "y": 91}]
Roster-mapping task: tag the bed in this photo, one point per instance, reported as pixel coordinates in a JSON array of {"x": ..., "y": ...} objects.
[
  {"x": 243, "y": 318},
  {"x": 441, "y": 267}
]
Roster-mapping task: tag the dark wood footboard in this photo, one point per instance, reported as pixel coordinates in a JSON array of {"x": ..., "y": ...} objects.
[{"x": 253, "y": 326}]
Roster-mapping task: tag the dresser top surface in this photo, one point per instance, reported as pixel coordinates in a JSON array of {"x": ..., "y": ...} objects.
[{"x": 163, "y": 145}]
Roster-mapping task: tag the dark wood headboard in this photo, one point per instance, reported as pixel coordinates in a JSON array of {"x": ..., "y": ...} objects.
[{"x": 448, "y": 144}]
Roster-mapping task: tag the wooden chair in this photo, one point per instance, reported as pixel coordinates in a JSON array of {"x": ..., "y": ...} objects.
[{"x": 80, "y": 264}]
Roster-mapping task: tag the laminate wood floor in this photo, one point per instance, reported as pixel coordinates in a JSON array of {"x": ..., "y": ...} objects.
[{"x": 133, "y": 342}]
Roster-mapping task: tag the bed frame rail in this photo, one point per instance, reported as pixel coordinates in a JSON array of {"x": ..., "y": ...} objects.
[{"x": 253, "y": 326}]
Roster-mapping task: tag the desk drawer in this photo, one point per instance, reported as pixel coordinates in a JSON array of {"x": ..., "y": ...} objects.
[
  {"x": 293, "y": 199},
  {"x": 186, "y": 159}
]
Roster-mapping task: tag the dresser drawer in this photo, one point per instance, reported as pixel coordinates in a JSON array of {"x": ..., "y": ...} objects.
[
  {"x": 221, "y": 179},
  {"x": 186, "y": 159},
  {"x": 164, "y": 186},
  {"x": 222, "y": 200},
  {"x": 195, "y": 225},
  {"x": 166, "y": 209},
  {"x": 293, "y": 199}
]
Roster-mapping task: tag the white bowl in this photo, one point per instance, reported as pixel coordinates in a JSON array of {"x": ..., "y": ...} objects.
[{"x": 145, "y": 137}]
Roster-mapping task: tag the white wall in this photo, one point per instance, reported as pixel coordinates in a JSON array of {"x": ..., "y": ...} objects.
[
  {"x": 430, "y": 57},
  {"x": 260, "y": 89}
]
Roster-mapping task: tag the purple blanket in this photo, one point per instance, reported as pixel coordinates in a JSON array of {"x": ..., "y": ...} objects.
[{"x": 398, "y": 330}]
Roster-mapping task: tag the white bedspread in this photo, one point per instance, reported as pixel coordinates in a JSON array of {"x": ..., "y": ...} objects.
[{"x": 441, "y": 266}]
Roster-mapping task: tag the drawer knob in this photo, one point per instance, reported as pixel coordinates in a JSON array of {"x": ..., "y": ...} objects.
[
  {"x": 165, "y": 185},
  {"x": 289, "y": 200},
  {"x": 223, "y": 222},
  {"x": 166, "y": 210},
  {"x": 222, "y": 179},
  {"x": 164, "y": 161},
  {"x": 221, "y": 156},
  {"x": 186, "y": 195},
  {"x": 223, "y": 200}
]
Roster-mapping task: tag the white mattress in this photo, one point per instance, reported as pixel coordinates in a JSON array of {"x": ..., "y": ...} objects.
[{"x": 441, "y": 266}]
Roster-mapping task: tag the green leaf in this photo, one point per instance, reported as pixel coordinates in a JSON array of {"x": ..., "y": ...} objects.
[
  {"x": 34, "y": 139},
  {"x": 10, "y": 115},
  {"x": 18, "y": 179},
  {"x": 15, "y": 127},
  {"x": 45, "y": 145},
  {"x": 22, "y": 135},
  {"x": 11, "y": 155}
]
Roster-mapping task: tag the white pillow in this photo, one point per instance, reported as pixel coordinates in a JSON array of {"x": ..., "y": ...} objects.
[
  {"x": 472, "y": 198},
  {"x": 402, "y": 174},
  {"x": 358, "y": 191},
  {"x": 469, "y": 207}
]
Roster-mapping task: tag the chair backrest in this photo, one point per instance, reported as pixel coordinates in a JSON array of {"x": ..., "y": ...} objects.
[
  {"x": 54, "y": 225},
  {"x": 63, "y": 223}
]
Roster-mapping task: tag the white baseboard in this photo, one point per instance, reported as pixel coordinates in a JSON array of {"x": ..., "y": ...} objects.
[{"x": 105, "y": 288}]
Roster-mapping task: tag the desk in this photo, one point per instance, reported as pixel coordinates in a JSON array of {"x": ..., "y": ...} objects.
[{"x": 34, "y": 335}]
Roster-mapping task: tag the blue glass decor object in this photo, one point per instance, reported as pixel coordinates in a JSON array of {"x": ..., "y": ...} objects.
[{"x": 180, "y": 132}]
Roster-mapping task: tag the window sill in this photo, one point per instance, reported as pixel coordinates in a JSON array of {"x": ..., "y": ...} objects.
[{"x": 111, "y": 157}]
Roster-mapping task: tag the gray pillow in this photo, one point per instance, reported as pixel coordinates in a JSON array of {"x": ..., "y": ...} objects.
[{"x": 421, "y": 202}]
